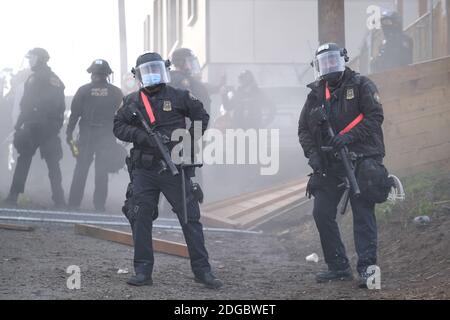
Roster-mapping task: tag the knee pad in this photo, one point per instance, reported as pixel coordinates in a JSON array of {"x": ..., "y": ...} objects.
[{"x": 134, "y": 211}]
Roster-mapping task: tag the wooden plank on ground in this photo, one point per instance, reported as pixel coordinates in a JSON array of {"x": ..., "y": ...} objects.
[
  {"x": 162, "y": 246},
  {"x": 16, "y": 227},
  {"x": 270, "y": 201},
  {"x": 249, "y": 210},
  {"x": 237, "y": 199}
]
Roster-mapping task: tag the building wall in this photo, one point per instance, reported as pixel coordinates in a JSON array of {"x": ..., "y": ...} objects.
[
  {"x": 240, "y": 34},
  {"x": 261, "y": 31},
  {"x": 416, "y": 103},
  {"x": 256, "y": 31},
  {"x": 162, "y": 15}
]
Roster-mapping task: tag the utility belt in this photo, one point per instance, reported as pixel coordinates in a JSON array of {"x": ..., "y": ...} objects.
[
  {"x": 151, "y": 160},
  {"x": 144, "y": 159},
  {"x": 372, "y": 177},
  {"x": 140, "y": 159}
]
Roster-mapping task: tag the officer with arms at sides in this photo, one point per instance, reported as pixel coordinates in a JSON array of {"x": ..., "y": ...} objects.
[
  {"x": 94, "y": 106},
  {"x": 41, "y": 117}
]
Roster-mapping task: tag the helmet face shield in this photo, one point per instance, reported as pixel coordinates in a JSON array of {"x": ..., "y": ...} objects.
[
  {"x": 327, "y": 63},
  {"x": 153, "y": 73},
  {"x": 193, "y": 65}
]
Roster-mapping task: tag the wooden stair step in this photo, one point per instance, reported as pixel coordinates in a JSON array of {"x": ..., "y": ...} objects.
[
  {"x": 266, "y": 212},
  {"x": 217, "y": 204},
  {"x": 269, "y": 202}
]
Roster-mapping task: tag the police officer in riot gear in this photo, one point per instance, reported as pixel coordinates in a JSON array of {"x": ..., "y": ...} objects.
[
  {"x": 397, "y": 48},
  {"x": 250, "y": 107},
  {"x": 166, "y": 110},
  {"x": 40, "y": 120},
  {"x": 94, "y": 105},
  {"x": 355, "y": 112},
  {"x": 186, "y": 76}
]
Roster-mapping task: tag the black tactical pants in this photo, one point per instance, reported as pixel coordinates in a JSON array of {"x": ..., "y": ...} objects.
[
  {"x": 147, "y": 186},
  {"x": 326, "y": 200},
  {"x": 84, "y": 161},
  {"x": 51, "y": 152}
]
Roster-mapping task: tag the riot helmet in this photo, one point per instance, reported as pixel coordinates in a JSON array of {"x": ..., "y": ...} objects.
[
  {"x": 185, "y": 60},
  {"x": 151, "y": 70},
  {"x": 246, "y": 79},
  {"x": 37, "y": 57},
  {"x": 329, "y": 63},
  {"x": 101, "y": 67},
  {"x": 391, "y": 22}
]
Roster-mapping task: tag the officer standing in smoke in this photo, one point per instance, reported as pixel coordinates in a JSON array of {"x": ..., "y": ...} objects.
[
  {"x": 185, "y": 76},
  {"x": 94, "y": 105},
  {"x": 397, "y": 47},
  {"x": 249, "y": 106},
  {"x": 40, "y": 120},
  {"x": 352, "y": 106},
  {"x": 165, "y": 110}
]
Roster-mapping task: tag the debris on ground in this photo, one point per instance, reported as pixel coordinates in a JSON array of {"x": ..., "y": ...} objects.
[{"x": 313, "y": 258}]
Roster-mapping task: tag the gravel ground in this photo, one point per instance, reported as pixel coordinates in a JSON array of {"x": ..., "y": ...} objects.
[{"x": 414, "y": 263}]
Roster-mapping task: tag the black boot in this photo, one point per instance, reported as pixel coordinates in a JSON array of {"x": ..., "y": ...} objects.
[
  {"x": 334, "y": 275},
  {"x": 362, "y": 282},
  {"x": 364, "y": 278},
  {"x": 140, "y": 280},
  {"x": 209, "y": 280}
]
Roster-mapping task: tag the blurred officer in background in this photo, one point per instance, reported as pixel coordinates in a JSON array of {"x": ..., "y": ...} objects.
[
  {"x": 397, "y": 48},
  {"x": 249, "y": 106},
  {"x": 40, "y": 120},
  {"x": 94, "y": 106},
  {"x": 186, "y": 76}
]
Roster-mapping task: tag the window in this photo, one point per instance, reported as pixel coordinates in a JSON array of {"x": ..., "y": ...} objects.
[
  {"x": 192, "y": 12},
  {"x": 174, "y": 25}
]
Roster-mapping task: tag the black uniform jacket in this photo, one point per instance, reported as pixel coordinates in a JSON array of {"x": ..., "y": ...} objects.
[
  {"x": 170, "y": 106},
  {"x": 94, "y": 104},
  {"x": 356, "y": 94},
  {"x": 43, "y": 102}
]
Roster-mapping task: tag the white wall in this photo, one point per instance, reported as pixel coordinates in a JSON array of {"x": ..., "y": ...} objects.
[
  {"x": 231, "y": 30},
  {"x": 262, "y": 31},
  {"x": 194, "y": 36}
]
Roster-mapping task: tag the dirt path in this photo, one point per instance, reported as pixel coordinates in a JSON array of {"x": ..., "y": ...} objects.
[{"x": 415, "y": 263}]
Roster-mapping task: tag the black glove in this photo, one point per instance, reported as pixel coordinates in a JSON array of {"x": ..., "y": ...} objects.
[
  {"x": 315, "y": 162},
  {"x": 339, "y": 141},
  {"x": 143, "y": 139}
]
